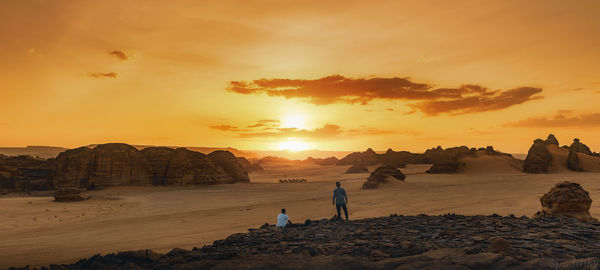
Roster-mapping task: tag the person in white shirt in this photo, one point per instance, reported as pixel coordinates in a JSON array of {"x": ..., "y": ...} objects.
[{"x": 282, "y": 219}]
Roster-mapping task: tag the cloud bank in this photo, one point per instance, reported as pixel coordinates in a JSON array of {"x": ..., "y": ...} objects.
[{"x": 423, "y": 97}]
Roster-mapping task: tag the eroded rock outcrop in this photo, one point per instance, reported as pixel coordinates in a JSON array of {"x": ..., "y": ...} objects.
[
  {"x": 68, "y": 195},
  {"x": 25, "y": 174},
  {"x": 330, "y": 161},
  {"x": 579, "y": 147},
  {"x": 357, "y": 169},
  {"x": 573, "y": 162},
  {"x": 383, "y": 174},
  {"x": 121, "y": 164},
  {"x": 538, "y": 158},
  {"x": 552, "y": 139},
  {"x": 230, "y": 164},
  {"x": 566, "y": 200},
  {"x": 448, "y": 160},
  {"x": 249, "y": 167}
]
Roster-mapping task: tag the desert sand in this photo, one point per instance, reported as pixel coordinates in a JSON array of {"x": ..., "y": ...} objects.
[{"x": 38, "y": 231}]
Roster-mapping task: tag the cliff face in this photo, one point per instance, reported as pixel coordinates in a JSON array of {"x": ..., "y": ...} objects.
[
  {"x": 122, "y": 164},
  {"x": 25, "y": 173}
]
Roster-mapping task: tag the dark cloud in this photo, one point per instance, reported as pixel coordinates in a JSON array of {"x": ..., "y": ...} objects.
[
  {"x": 119, "y": 54},
  {"x": 488, "y": 101},
  {"x": 426, "y": 98},
  {"x": 101, "y": 75},
  {"x": 266, "y": 123},
  {"x": 564, "y": 118}
]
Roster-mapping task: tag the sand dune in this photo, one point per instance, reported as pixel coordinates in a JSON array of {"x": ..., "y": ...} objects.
[
  {"x": 559, "y": 160},
  {"x": 491, "y": 164},
  {"x": 35, "y": 230}
]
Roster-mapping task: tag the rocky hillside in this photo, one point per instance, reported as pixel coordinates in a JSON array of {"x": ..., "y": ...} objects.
[
  {"x": 545, "y": 156},
  {"x": 120, "y": 164},
  {"x": 396, "y": 242}
]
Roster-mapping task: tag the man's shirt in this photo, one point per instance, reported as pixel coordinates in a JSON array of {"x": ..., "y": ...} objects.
[{"x": 339, "y": 195}]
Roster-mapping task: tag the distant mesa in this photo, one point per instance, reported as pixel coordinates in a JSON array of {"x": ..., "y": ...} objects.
[
  {"x": 330, "y": 161},
  {"x": 357, "y": 169},
  {"x": 450, "y": 160},
  {"x": 566, "y": 200},
  {"x": 383, "y": 174},
  {"x": 249, "y": 167},
  {"x": 116, "y": 164},
  {"x": 545, "y": 156}
]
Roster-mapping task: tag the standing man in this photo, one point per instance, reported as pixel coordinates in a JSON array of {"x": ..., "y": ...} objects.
[{"x": 340, "y": 199}]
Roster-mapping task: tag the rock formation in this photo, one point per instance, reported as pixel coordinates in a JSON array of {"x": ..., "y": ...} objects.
[
  {"x": 68, "y": 195},
  {"x": 573, "y": 161},
  {"x": 579, "y": 147},
  {"x": 330, "y": 161},
  {"x": 383, "y": 175},
  {"x": 448, "y": 160},
  {"x": 121, "y": 164},
  {"x": 357, "y": 169},
  {"x": 552, "y": 140},
  {"x": 25, "y": 174},
  {"x": 249, "y": 167},
  {"x": 230, "y": 164},
  {"x": 566, "y": 200},
  {"x": 538, "y": 158},
  {"x": 366, "y": 158}
]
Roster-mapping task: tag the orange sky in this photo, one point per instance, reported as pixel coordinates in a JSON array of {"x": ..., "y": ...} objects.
[{"x": 343, "y": 75}]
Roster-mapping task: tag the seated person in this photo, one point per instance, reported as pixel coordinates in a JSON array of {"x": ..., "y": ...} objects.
[{"x": 282, "y": 219}]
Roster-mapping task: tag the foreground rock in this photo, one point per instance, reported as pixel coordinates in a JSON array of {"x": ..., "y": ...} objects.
[
  {"x": 395, "y": 242},
  {"x": 566, "y": 200},
  {"x": 384, "y": 174}
]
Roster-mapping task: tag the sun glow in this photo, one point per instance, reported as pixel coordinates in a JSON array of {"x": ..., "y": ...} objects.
[
  {"x": 293, "y": 145},
  {"x": 293, "y": 121}
]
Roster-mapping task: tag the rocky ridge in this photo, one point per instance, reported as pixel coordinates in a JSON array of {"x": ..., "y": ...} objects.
[
  {"x": 395, "y": 242},
  {"x": 120, "y": 164}
]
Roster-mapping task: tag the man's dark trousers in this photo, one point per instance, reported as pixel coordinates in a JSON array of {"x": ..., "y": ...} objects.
[{"x": 338, "y": 206}]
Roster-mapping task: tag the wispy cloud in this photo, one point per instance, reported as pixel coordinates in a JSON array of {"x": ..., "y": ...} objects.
[
  {"x": 119, "y": 54},
  {"x": 424, "y": 97},
  {"x": 563, "y": 118},
  {"x": 101, "y": 75}
]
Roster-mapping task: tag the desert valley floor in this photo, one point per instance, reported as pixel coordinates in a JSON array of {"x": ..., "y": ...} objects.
[{"x": 37, "y": 231}]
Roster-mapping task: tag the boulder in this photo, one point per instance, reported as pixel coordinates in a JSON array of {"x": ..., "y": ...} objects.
[
  {"x": 566, "y": 200},
  {"x": 383, "y": 175},
  {"x": 357, "y": 169},
  {"x": 68, "y": 195},
  {"x": 538, "y": 158}
]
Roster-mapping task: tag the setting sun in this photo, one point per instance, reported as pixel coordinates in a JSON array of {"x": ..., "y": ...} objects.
[{"x": 293, "y": 145}]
